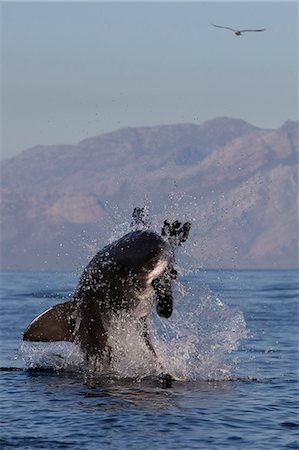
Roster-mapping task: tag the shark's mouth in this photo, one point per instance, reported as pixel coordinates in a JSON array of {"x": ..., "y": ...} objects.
[{"x": 146, "y": 299}]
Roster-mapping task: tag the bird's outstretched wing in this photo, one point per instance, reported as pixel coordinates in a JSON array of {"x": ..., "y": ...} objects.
[
  {"x": 244, "y": 31},
  {"x": 220, "y": 26}
]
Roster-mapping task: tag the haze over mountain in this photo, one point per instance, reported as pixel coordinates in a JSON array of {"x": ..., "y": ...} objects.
[{"x": 236, "y": 183}]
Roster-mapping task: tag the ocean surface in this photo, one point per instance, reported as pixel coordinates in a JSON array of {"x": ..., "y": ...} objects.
[{"x": 231, "y": 344}]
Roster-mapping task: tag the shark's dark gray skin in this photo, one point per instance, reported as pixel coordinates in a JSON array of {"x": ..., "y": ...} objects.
[{"x": 123, "y": 276}]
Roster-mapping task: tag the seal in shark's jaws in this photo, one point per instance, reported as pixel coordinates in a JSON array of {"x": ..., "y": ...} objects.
[{"x": 128, "y": 275}]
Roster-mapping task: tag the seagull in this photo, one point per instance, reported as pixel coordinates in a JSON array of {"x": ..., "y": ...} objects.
[{"x": 237, "y": 32}]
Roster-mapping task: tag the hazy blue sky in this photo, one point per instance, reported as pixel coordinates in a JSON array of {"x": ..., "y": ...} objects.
[{"x": 77, "y": 69}]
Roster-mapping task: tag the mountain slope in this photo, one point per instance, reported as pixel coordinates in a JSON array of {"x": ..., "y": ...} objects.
[{"x": 235, "y": 182}]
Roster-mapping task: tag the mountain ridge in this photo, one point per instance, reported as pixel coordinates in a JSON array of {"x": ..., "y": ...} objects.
[{"x": 236, "y": 182}]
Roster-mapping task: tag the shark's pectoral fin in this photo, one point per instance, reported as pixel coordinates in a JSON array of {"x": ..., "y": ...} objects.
[{"x": 55, "y": 324}]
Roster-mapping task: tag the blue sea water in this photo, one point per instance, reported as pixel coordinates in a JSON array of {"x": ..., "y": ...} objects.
[{"x": 232, "y": 343}]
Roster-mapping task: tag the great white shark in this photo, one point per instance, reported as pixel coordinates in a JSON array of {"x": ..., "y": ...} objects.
[{"x": 126, "y": 275}]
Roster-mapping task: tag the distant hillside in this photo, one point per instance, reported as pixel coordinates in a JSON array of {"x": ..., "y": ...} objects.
[{"x": 235, "y": 182}]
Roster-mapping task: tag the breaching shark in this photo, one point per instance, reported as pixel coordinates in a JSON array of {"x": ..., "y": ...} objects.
[{"x": 126, "y": 275}]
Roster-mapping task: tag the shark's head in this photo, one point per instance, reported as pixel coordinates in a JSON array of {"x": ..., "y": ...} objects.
[{"x": 149, "y": 257}]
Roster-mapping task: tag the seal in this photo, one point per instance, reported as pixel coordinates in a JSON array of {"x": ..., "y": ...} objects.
[{"x": 126, "y": 275}]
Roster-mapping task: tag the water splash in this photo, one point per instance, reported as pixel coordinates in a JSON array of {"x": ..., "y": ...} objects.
[
  {"x": 130, "y": 355},
  {"x": 52, "y": 355},
  {"x": 195, "y": 344}
]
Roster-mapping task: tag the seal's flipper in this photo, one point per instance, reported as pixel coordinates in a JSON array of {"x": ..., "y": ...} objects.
[
  {"x": 140, "y": 219},
  {"x": 175, "y": 233},
  {"x": 55, "y": 324},
  {"x": 163, "y": 292}
]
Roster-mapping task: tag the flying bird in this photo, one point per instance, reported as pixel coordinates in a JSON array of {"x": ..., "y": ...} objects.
[{"x": 237, "y": 32}]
